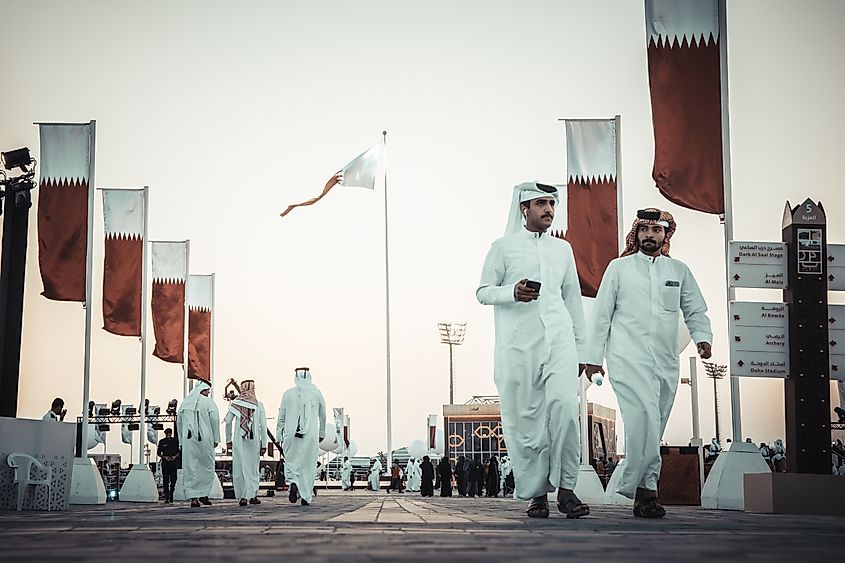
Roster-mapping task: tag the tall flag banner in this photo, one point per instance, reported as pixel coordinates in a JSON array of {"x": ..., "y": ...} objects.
[
  {"x": 684, "y": 78},
  {"x": 200, "y": 299},
  {"x": 123, "y": 214},
  {"x": 361, "y": 172},
  {"x": 432, "y": 431},
  {"x": 170, "y": 275},
  {"x": 591, "y": 198},
  {"x": 338, "y": 426},
  {"x": 346, "y": 430},
  {"x": 67, "y": 155}
]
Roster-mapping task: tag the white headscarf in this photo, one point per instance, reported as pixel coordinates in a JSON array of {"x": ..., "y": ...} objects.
[
  {"x": 307, "y": 399},
  {"x": 522, "y": 193},
  {"x": 191, "y": 402}
]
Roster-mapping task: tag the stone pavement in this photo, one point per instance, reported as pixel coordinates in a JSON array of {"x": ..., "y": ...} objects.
[{"x": 365, "y": 526}]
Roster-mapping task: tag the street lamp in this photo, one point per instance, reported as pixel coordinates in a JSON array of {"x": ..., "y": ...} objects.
[
  {"x": 716, "y": 372},
  {"x": 453, "y": 335}
]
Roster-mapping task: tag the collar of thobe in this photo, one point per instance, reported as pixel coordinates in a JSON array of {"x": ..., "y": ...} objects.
[
  {"x": 646, "y": 258},
  {"x": 531, "y": 234}
]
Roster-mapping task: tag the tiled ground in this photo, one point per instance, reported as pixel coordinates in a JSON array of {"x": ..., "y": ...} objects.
[{"x": 364, "y": 526}]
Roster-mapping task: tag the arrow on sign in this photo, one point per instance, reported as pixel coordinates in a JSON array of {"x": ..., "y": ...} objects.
[
  {"x": 831, "y": 258},
  {"x": 740, "y": 363},
  {"x": 737, "y": 317},
  {"x": 831, "y": 320},
  {"x": 835, "y": 367},
  {"x": 737, "y": 338},
  {"x": 833, "y": 342},
  {"x": 831, "y": 277},
  {"x": 737, "y": 277},
  {"x": 736, "y": 258}
]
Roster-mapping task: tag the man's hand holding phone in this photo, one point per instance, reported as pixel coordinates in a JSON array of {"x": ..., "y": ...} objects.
[{"x": 526, "y": 290}]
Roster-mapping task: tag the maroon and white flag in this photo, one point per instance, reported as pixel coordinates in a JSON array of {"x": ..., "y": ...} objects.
[
  {"x": 67, "y": 162},
  {"x": 200, "y": 302},
  {"x": 684, "y": 77},
  {"x": 123, "y": 214},
  {"x": 432, "y": 431},
  {"x": 170, "y": 275},
  {"x": 591, "y": 198}
]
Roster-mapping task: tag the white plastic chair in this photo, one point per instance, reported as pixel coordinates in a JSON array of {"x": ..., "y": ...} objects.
[{"x": 22, "y": 464}]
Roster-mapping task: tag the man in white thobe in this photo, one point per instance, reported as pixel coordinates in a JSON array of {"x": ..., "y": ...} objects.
[
  {"x": 301, "y": 427},
  {"x": 198, "y": 426},
  {"x": 375, "y": 475},
  {"x": 635, "y": 327},
  {"x": 505, "y": 470},
  {"x": 346, "y": 474},
  {"x": 530, "y": 279},
  {"x": 246, "y": 437},
  {"x": 413, "y": 472}
]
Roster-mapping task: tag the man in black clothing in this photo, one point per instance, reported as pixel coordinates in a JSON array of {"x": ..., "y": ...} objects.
[{"x": 168, "y": 452}]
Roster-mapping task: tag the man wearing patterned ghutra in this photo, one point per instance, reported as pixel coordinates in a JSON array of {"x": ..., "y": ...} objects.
[
  {"x": 635, "y": 327},
  {"x": 247, "y": 440}
]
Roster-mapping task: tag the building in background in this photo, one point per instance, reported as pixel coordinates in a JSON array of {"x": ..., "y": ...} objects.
[{"x": 475, "y": 429}]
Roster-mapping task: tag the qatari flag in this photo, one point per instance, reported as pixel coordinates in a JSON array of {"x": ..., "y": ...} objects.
[
  {"x": 200, "y": 301},
  {"x": 591, "y": 198},
  {"x": 123, "y": 213},
  {"x": 67, "y": 163},
  {"x": 686, "y": 102},
  {"x": 170, "y": 274}
]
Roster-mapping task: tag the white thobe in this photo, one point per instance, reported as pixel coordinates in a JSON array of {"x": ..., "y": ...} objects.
[
  {"x": 536, "y": 358},
  {"x": 375, "y": 474},
  {"x": 635, "y": 326},
  {"x": 301, "y": 453},
  {"x": 414, "y": 475},
  {"x": 246, "y": 449},
  {"x": 346, "y": 475},
  {"x": 505, "y": 470},
  {"x": 198, "y": 426},
  {"x": 50, "y": 415}
]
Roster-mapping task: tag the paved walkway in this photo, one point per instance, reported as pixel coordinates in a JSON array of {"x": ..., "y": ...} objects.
[{"x": 363, "y": 526}]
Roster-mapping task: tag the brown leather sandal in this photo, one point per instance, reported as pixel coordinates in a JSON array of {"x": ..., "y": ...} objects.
[
  {"x": 649, "y": 508},
  {"x": 572, "y": 506},
  {"x": 539, "y": 508}
]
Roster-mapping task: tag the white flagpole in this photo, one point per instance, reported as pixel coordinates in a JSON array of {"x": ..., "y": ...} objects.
[
  {"x": 620, "y": 213},
  {"x": 89, "y": 275},
  {"x": 144, "y": 297},
  {"x": 185, "y": 330},
  {"x": 736, "y": 411},
  {"x": 211, "y": 337},
  {"x": 387, "y": 311}
]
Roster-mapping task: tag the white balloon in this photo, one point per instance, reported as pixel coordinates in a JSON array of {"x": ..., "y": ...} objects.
[
  {"x": 328, "y": 444},
  {"x": 338, "y": 449},
  {"x": 417, "y": 449},
  {"x": 352, "y": 449}
]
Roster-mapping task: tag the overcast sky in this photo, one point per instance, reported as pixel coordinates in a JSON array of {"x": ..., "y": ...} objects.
[{"x": 231, "y": 111}]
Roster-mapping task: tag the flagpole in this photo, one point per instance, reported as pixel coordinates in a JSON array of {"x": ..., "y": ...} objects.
[
  {"x": 387, "y": 311},
  {"x": 736, "y": 411},
  {"x": 211, "y": 337},
  {"x": 82, "y": 435},
  {"x": 620, "y": 213},
  {"x": 144, "y": 297},
  {"x": 185, "y": 323}
]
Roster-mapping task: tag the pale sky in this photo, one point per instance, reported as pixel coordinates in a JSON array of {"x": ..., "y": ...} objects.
[{"x": 231, "y": 111}]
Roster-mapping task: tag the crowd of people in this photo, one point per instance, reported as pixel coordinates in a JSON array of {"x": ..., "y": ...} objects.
[{"x": 467, "y": 477}]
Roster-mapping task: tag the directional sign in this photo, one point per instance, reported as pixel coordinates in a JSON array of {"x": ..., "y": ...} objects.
[
  {"x": 836, "y": 335},
  {"x": 758, "y": 264},
  {"x": 759, "y": 334},
  {"x": 836, "y": 267}
]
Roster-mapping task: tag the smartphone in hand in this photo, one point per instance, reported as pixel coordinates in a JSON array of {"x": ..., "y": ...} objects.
[{"x": 535, "y": 285}]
